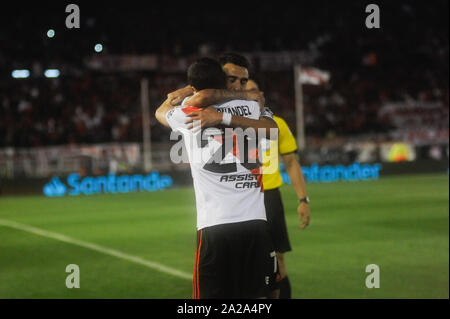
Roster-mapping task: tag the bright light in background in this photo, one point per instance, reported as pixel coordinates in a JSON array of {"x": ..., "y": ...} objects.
[
  {"x": 20, "y": 74},
  {"x": 98, "y": 47},
  {"x": 51, "y": 33},
  {"x": 51, "y": 73}
]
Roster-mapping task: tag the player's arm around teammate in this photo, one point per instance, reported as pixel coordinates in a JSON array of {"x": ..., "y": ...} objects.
[
  {"x": 202, "y": 99},
  {"x": 206, "y": 97},
  {"x": 162, "y": 110},
  {"x": 209, "y": 117}
]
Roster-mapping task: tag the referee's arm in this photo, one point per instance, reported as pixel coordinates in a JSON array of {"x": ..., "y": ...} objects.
[{"x": 297, "y": 178}]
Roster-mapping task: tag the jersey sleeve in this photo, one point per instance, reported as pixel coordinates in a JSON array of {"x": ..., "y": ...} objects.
[
  {"x": 183, "y": 103},
  {"x": 176, "y": 118},
  {"x": 286, "y": 140},
  {"x": 266, "y": 112}
]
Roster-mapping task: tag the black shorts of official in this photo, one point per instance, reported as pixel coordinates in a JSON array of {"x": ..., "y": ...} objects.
[
  {"x": 276, "y": 220},
  {"x": 235, "y": 260}
]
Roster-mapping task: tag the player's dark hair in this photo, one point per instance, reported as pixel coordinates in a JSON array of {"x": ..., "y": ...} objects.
[
  {"x": 206, "y": 73},
  {"x": 234, "y": 58}
]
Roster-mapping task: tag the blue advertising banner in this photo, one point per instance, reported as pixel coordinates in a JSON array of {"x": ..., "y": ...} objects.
[
  {"x": 76, "y": 184},
  {"x": 328, "y": 173}
]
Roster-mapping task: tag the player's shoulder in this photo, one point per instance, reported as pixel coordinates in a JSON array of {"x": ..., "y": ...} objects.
[
  {"x": 175, "y": 111},
  {"x": 189, "y": 109},
  {"x": 238, "y": 102},
  {"x": 186, "y": 108},
  {"x": 282, "y": 126},
  {"x": 177, "y": 116},
  {"x": 280, "y": 122}
]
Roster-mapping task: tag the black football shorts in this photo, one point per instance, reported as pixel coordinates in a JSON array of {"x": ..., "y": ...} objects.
[
  {"x": 235, "y": 260},
  {"x": 276, "y": 220}
]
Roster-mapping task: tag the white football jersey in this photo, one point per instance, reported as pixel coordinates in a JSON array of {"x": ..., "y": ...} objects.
[{"x": 228, "y": 189}]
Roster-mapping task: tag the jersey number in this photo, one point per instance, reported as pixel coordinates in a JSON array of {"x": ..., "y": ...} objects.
[{"x": 228, "y": 143}]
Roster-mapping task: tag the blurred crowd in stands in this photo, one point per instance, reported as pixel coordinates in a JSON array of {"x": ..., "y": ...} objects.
[{"x": 406, "y": 61}]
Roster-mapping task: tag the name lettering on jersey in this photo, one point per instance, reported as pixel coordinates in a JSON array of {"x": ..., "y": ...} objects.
[{"x": 240, "y": 110}]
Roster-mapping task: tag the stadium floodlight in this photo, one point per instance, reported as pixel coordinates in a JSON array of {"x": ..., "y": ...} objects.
[
  {"x": 51, "y": 73},
  {"x": 20, "y": 74},
  {"x": 98, "y": 48},
  {"x": 50, "y": 33}
]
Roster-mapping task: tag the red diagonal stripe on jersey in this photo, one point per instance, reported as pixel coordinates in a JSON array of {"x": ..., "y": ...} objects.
[
  {"x": 257, "y": 172},
  {"x": 235, "y": 151},
  {"x": 189, "y": 109},
  {"x": 251, "y": 153},
  {"x": 218, "y": 138}
]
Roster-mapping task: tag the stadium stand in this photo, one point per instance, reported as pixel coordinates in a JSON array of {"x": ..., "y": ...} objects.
[{"x": 369, "y": 71}]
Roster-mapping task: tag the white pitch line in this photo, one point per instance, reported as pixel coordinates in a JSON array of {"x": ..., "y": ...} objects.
[{"x": 104, "y": 250}]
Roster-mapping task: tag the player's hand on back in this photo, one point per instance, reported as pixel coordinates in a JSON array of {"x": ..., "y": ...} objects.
[
  {"x": 176, "y": 97},
  {"x": 303, "y": 215},
  {"x": 207, "y": 117}
]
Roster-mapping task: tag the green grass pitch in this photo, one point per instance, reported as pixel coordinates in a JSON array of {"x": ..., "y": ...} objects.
[{"x": 399, "y": 223}]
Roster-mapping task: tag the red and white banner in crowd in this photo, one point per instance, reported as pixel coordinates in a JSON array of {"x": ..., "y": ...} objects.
[{"x": 314, "y": 76}]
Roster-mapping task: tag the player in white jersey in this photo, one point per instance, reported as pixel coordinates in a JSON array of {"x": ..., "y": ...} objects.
[
  {"x": 227, "y": 190},
  {"x": 235, "y": 256}
]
